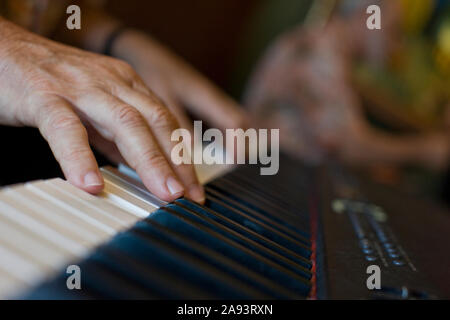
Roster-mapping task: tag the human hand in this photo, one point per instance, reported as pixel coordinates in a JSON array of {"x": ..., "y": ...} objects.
[
  {"x": 302, "y": 86},
  {"x": 57, "y": 89}
]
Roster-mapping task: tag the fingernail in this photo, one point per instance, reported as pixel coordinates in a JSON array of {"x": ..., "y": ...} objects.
[
  {"x": 197, "y": 193},
  {"x": 174, "y": 186},
  {"x": 92, "y": 179}
]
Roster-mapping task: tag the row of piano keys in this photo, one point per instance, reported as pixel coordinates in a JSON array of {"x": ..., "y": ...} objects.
[{"x": 250, "y": 240}]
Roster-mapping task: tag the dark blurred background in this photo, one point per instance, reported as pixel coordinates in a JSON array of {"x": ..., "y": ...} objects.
[{"x": 206, "y": 33}]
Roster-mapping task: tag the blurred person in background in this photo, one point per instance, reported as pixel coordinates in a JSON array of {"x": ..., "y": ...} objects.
[
  {"x": 377, "y": 99},
  {"x": 305, "y": 85}
]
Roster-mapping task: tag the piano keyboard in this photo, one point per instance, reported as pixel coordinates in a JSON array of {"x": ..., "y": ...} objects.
[
  {"x": 245, "y": 242},
  {"x": 256, "y": 237}
]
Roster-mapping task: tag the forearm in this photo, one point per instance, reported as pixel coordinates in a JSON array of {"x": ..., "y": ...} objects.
[
  {"x": 426, "y": 150},
  {"x": 141, "y": 50},
  {"x": 131, "y": 45},
  {"x": 392, "y": 149}
]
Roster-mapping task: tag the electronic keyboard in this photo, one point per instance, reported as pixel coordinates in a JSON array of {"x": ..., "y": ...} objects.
[{"x": 305, "y": 233}]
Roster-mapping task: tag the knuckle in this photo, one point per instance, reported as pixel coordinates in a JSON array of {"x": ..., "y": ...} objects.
[
  {"x": 54, "y": 119},
  {"x": 65, "y": 122},
  {"x": 75, "y": 154},
  {"x": 123, "y": 65},
  {"x": 162, "y": 117},
  {"x": 125, "y": 69},
  {"x": 127, "y": 116},
  {"x": 139, "y": 85},
  {"x": 152, "y": 158}
]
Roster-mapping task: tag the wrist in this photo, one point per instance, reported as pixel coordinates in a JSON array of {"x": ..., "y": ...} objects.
[
  {"x": 128, "y": 45},
  {"x": 96, "y": 29},
  {"x": 111, "y": 40},
  {"x": 141, "y": 50}
]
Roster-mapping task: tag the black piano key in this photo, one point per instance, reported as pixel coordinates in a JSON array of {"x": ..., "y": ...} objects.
[
  {"x": 283, "y": 256},
  {"x": 242, "y": 238},
  {"x": 284, "y": 186},
  {"x": 97, "y": 282},
  {"x": 150, "y": 250},
  {"x": 263, "y": 188},
  {"x": 178, "y": 222},
  {"x": 240, "y": 271},
  {"x": 105, "y": 283},
  {"x": 56, "y": 289},
  {"x": 260, "y": 227},
  {"x": 294, "y": 201},
  {"x": 294, "y": 225},
  {"x": 249, "y": 196},
  {"x": 158, "y": 281},
  {"x": 262, "y": 218}
]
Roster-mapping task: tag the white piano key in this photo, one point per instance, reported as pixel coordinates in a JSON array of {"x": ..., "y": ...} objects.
[
  {"x": 131, "y": 186},
  {"x": 47, "y": 224},
  {"x": 126, "y": 201},
  {"x": 129, "y": 194},
  {"x": 25, "y": 255},
  {"x": 123, "y": 204},
  {"x": 43, "y": 190},
  {"x": 20, "y": 268},
  {"x": 205, "y": 172},
  {"x": 53, "y": 217},
  {"x": 10, "y": 286},
  {"x": 129, "y": 172},
  {"x": 37, "y": 251},
  {"x": 125, "y": 218},
  {"x": 57, "y": 251},
  {"x": 62, "y": 192},
  {"x": 35, "y": 226}
]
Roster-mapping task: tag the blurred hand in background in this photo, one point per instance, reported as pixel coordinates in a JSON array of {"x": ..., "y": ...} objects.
[{"x": 303, "y": 85}]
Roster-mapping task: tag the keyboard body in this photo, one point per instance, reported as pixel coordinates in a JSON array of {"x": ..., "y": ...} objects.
[{"x": 407, "y": 237}]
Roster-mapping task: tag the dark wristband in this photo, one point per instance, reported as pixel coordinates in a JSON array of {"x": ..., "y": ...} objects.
[{"x": 112, "y": 39}]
